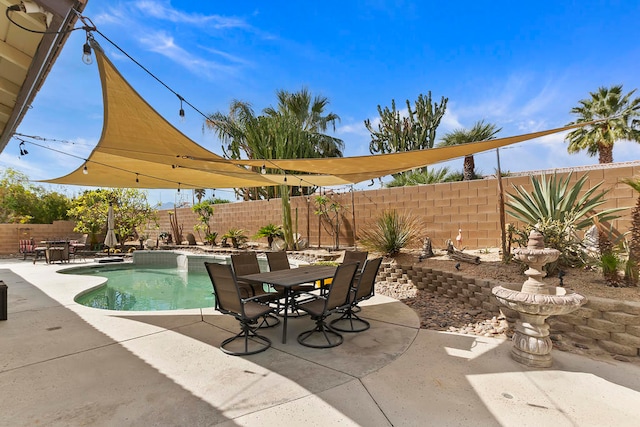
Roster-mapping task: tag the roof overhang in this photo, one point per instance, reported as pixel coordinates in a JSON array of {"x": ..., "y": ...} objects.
[{"x": 26, "y": 57}]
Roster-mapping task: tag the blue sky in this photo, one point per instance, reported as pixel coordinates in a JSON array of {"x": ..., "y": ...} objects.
[{"x": 521, "y": 65}]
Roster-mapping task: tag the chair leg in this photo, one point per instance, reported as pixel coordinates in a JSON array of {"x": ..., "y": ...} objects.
[
  {"x": 248, "y": 335},
  {"x": 327, "y": 333},
  {"x": 353, "y": 322},
  {"x": 269, "y": 321}
]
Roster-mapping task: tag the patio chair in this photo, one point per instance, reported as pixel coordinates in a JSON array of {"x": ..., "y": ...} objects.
[
  {"x": 246, "y": 310},
  {"x": 27, "y": 247},
  {"x": 321, "y": 306},
  {"x": 365, "y": 289},
  {"x": 355, "y": 256},
  {"x": 247, "y": 263},
  {"x": 278, "y": 260}
]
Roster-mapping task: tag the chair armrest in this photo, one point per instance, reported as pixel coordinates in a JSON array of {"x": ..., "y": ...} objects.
[{"x": 256, "y": 297}]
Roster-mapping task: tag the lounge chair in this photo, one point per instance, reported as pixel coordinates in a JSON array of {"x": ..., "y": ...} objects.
[
  {"x": 365, "y": 289},
  {"x": 320, "y": 307},
  {"x": 248, "y": 311}
]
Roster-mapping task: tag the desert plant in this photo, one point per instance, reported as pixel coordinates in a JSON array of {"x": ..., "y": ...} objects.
[
  {"x": 610, "y": 263},
  {"x": 211, "y": 237},
  {"x": 558, "y": 210},
  {"x": 634, "y": 245},
  {"x": 330, "y": 212},
  {"x": 390, "y": 232},
  {"x": 204, "y": 210},
  {"x": 237, "y": 237},
  {"x": 270, "y": 231}
]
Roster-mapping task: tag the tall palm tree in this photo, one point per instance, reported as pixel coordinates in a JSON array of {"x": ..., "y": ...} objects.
[
  {"x": 621, "y": 116},
  {"x": 480, "y": 131},
  {"x": 310, "y": 114}
]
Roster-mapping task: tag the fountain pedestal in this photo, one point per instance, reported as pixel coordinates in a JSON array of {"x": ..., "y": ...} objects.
[{"x": 535, "y": 301}]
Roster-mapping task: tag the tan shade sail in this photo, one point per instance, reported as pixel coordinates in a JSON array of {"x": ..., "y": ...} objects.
[{"x": 139, "y": 148}]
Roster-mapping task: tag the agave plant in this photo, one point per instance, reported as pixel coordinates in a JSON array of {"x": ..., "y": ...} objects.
[
  {"x": 391, "y": 232},
  {"x": 558, "y": 210}
]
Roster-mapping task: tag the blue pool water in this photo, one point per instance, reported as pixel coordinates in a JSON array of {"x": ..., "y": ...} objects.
[{"x": 147, "y": 289}]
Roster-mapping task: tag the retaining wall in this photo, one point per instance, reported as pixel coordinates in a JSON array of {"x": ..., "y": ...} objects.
[{"x": 611, "y": 324}]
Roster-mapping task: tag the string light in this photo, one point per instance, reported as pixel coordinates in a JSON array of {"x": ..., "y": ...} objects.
[
  {"x": 263, "y": 170},
  {"x": 85, "y": 170},
  {"x": 181, "y": 112},
  {"x": 178, "y": 187},
  {"x": 23, "y": 151},
  {"x": 137, "y": 180},
  {"x": 86, "y": 50}
]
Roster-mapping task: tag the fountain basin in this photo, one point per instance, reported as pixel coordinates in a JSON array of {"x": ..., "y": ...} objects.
[{"x": 559, "y": 300}]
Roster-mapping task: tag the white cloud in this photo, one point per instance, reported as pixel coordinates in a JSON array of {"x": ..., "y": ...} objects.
[
  {"x": 164, "y": 44},
  {"x": 164, "y": 11}
]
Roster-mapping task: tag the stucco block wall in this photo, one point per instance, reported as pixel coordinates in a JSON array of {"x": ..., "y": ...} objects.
[
  {"x": 11, "y": 234},
  {"x": 442, "y": 208}
]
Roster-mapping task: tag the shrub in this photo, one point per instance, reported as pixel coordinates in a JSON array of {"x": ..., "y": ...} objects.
[{"x": 391, "y": 232}]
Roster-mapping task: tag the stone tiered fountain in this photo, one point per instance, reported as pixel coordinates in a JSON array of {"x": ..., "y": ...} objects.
[{"x": 535, "y": 301}]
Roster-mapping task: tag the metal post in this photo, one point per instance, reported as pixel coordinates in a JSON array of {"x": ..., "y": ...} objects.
[{"x": 3, "y": 301}]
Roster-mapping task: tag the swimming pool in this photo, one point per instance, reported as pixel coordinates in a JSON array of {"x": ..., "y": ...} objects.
[{"x": 135, "y": 288}]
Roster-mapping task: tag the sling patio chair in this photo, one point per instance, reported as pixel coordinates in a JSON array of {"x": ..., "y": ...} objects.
[
  {"x": 278, "y": 260},
  {"x": 248, "y": 311},
  {"x": 365, "y": 289},
  {"x": 320, "y": 307},
  {"x": 247, "y": 263}
]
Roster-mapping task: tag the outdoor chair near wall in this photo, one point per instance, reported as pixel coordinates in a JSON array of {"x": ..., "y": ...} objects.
[
  {"x": 27, "y": 247},
  {"x": 355, "y": 256},
  {"x": 320, "y": 307},
  {"x": 365, "y": 289},
  {"x": 247, "y": 263},
  {"x": 248, "y": 311}
]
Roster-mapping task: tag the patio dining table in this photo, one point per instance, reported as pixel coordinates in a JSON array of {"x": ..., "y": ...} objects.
[{"x": 289, "y": 278}]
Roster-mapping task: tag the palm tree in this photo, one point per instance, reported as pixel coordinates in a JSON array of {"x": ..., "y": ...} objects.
[
  {"x": 481, "y": 131},
  {"x": 620, "y": 117},
  {"x": 634, "y": 246},
  {"x": 199, "y": 193},
  {"x": 308, "y": 113}
]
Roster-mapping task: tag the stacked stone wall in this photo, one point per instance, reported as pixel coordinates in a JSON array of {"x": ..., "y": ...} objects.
[{"x": 610, "y": 324}]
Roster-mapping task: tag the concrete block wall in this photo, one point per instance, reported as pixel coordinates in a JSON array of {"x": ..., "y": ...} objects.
[
  {"x": 441, "y": 208},
  {"x": 611, "y": 324},
  {"x": 11, "y": 234}
]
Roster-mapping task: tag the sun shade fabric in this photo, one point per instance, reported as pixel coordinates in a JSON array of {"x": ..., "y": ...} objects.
[{"x": 138, "y": 143}]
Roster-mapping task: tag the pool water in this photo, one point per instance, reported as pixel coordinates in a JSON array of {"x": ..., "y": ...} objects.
[{"x": 147, "y": 289}]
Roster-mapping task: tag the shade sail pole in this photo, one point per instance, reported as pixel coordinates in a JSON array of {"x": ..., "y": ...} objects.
[{"x": 503, "y": 231}]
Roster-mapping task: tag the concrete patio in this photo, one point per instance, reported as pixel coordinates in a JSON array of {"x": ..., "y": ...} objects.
[{"x": 65, "y": 364}]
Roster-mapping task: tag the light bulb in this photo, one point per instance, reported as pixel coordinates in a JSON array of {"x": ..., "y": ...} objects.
[
  {"x": 85, "y": 170},
  {"x": 263, "y": 170},
  {"x": 137, "y": 180},
  {"x": 181, "y": 113},
  {"x": 86, "y": 54}
]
